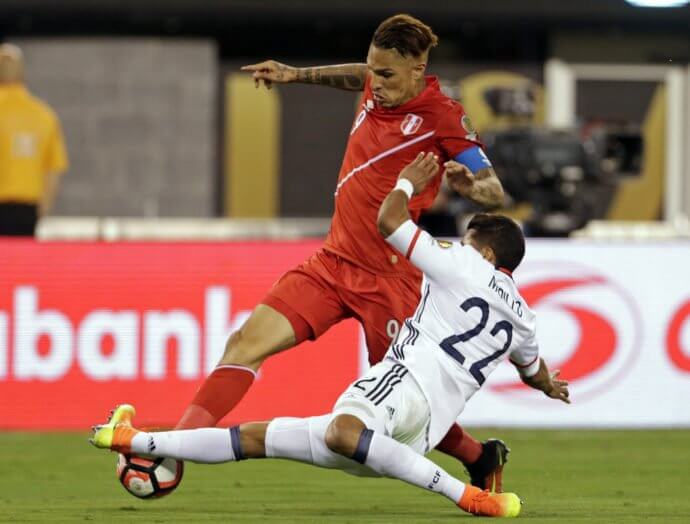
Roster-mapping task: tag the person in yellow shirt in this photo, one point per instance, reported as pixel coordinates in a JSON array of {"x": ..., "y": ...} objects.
[{"x": 32, "y": 151}]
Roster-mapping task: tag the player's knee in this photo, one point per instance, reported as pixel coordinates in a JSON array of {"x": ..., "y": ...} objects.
[
  {"x": 241, "y": 350},
  {"x": 342, "y": 435}
]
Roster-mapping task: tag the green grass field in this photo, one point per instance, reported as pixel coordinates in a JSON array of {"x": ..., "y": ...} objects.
[{"x": 563, "y": 476}]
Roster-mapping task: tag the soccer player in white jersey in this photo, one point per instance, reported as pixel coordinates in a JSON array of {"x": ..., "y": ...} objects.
[{"x": 470, "y": 317}]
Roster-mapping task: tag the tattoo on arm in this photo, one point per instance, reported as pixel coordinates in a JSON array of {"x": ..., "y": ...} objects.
[
  {"x": 350, "y": 77},
  {"x": 487, "y": 189}
]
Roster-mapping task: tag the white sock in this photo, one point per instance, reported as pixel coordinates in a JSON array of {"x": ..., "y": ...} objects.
[
  {"x": 393, "y": 459},
  {"x": 205, "y": 445}
]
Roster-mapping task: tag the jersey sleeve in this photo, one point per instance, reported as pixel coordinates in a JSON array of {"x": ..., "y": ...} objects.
[
  {"x": 437, "y": 259},
  {"x": 55, "y": 159},
  {"x": 526, "y": 357},
  {"x": 456, "y": 133}
]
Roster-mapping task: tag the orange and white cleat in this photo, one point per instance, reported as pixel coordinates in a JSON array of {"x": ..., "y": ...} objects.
[
  {"x": 488, "y": 504},
  {"x": 117, "y": 433}
]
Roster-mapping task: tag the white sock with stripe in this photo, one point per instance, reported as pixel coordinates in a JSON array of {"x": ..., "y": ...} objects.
[
  {"x": 205, "y": 445},
  {"x": 393, "y": 459}
]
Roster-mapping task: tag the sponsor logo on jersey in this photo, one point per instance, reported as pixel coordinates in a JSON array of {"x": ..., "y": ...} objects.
[
  {"x": 445, "y": 244},
  {"x": 468, "y": 127},
  {"x": 589, "y": 328},
  {"x": 411, "y": 124}
]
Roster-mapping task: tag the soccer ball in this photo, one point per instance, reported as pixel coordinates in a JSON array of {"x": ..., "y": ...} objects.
[{"x": 149, "y": 478}]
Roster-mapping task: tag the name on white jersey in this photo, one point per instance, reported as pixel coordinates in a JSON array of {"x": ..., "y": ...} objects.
[{"x": 512, "y": 302}]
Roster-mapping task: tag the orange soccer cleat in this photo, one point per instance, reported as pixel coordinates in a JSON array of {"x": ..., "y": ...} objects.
[
  {"x": 488, "y": 504},
  {"x": 117, "y": 433}
]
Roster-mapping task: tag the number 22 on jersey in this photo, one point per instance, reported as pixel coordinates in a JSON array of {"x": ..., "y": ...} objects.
[{"x": 448, "y": 344}]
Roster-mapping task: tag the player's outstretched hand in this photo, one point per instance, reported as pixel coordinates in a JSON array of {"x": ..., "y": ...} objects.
[
  {"x": 559, "y": 389},
  {"x": 459, "y": 177},
  {"x": 421, "y": 171},
  {"x": 271, "y": 71}
]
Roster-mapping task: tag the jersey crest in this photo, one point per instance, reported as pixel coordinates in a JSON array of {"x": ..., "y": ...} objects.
[
  {"x": 468, "y": 127},
  {"x": 411, "y": 124}
]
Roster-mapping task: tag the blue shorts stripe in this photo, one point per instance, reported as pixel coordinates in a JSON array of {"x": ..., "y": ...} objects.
[
  {"x": 383, "y": 379},
  {"x": 382, "y": 396},
  {"x": 371, "y": 396},
  {"x": 420, "y": 311}
]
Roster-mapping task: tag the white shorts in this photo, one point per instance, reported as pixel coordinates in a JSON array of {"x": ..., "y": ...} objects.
[{"x": 388, "y": 400}]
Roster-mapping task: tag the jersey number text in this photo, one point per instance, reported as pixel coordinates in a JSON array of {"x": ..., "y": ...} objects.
[{"x": 448, "y": 344}]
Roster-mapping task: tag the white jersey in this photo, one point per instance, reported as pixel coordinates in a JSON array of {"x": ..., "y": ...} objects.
[{"x": 470, "y": 317}]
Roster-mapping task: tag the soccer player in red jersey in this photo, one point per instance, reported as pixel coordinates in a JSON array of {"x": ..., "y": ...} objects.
[{"x": 357, "y": 274}]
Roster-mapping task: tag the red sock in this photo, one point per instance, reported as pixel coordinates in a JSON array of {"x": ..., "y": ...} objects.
[
  {"x": 218, "y": 395},
  {"x": 461, "y": 445}
]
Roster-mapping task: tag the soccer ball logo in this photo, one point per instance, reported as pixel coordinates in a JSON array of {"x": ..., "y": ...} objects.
[{"x": 145, "y": 478}]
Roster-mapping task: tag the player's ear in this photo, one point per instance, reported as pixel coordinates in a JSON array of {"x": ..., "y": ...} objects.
[
  {"x": 488, "y": 253},
  {"x": 418, "y": 70}
]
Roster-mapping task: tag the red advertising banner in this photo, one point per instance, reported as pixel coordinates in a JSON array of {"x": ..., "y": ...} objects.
[{"x": 85, "y": 326}]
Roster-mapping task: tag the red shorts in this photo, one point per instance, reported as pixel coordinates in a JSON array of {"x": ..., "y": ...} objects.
[{"x": 326, "y": 289}]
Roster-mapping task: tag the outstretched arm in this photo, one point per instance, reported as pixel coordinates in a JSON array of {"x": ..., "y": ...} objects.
[
  {"x": 434, "y": 258},
  {"x": 350, "y": 77},
  {"x": 548, "y": 382}
]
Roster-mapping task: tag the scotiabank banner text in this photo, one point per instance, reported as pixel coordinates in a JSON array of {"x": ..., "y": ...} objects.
[{"x": 85, "y": 326}]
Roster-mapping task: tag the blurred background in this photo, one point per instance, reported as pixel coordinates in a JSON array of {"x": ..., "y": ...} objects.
[
  {"x": 581, "y": 104},
  {"x": 584, "y": 108}
]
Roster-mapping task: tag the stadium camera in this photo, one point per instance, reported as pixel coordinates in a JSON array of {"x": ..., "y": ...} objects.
[{"x": 554, "y": 171}]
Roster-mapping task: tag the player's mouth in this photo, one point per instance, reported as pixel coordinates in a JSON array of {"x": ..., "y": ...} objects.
[{"x": 379, "y": 99}]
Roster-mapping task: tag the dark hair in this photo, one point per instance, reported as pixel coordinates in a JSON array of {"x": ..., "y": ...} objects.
[
  {"x": 501, "y": 234},
  {"x": 406, "y": 34}
]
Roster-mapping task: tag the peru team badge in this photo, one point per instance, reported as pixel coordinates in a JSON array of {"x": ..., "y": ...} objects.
[{"x": 411, "y": 124}]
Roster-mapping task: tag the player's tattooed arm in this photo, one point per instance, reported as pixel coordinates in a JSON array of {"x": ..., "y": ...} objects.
[
  {"x": 549, "y": 383},
  {"x": 483, "y": 187},
  {"x": 350, "y": 77},
  {"x": 271, "y": 71}
]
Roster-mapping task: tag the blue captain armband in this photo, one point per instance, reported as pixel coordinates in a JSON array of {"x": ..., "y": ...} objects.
[{"x": 474, "y": 158}]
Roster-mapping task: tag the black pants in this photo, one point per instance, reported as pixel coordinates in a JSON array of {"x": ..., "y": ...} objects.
[{"x": 18, "y": 220}]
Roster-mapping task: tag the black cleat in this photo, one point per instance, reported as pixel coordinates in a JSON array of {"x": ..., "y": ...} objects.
[{"x": 487, "y": 472}]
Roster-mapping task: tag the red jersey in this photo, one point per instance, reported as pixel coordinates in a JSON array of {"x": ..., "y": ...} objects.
[{"x": 382, "y": 142}]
